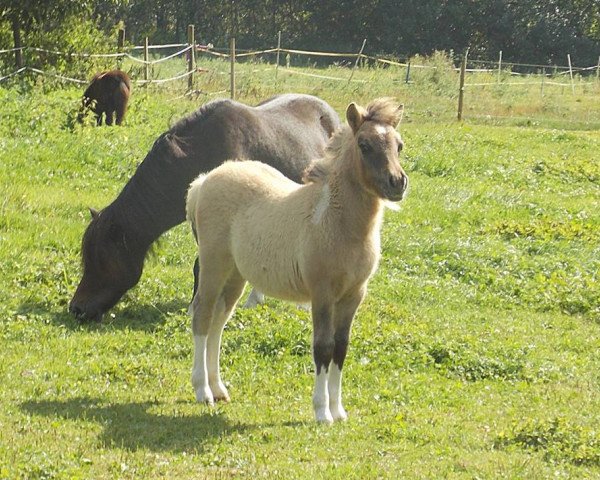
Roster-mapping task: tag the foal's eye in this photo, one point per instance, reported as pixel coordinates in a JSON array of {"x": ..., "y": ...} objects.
[{"x": 365, "y": 147}]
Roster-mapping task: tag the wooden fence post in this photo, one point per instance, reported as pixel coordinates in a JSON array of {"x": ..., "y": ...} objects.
[
  {"x": 120, "y": 46},
  {"x": 16, "y": 28},
  {"x": 499, "y": 65},
  {"x": 146, "y": 65},
  {"x": 232, "y": 72},
  {"x": 357, "y": 59},
  {"x": 543, "y": 79},
  {"x": 278, "y": 50},
  {"x": 571, "y": 72},
  {"x": 598, "y": 70},
  {"x": 461, "y": 88},
  {"x": 191, "y": 57},
  {"x": 407, "y": 80}
]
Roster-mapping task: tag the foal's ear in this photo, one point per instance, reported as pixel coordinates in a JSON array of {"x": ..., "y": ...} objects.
[
  {"x": 355, "y": 115},
  {"x": 93, "y": 212},
  {"x": 399, "y": 114}
]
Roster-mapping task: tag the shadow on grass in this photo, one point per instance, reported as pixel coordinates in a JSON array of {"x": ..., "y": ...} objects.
[
  {"x": 128, "y": 316},
  {"x": 130, "y": 426}
]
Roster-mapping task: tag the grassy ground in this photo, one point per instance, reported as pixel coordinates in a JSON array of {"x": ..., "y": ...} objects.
[{"x": 475, "y": 354}]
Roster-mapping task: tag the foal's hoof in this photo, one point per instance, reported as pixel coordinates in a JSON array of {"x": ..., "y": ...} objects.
[
  {"x": 219, "y": 392},
  {"x": 323, "y": 416},
  {"x": 223, "y": 399},
  {"x": 204, "y": 395},
  {"x": 339, "y": 414}
]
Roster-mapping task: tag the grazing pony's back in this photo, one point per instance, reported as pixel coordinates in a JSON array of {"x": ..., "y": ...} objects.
[
  {"x": 108, "y": 94},
  {"x": 286, "y": 132},
  {"x": 318, "y": 242}
]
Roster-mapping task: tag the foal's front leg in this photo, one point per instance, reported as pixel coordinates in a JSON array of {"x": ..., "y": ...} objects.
[
  {"x": 323, "y": 346},
  {"x": 343, "y": 315}
]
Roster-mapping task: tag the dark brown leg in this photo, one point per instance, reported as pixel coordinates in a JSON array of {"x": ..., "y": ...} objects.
[
  {"x": 323, "y": 348},
  {"x": 344, "y": 312}
]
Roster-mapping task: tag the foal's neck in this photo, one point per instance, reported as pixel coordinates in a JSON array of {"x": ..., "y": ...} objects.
[{"x": 358, "y": 210}]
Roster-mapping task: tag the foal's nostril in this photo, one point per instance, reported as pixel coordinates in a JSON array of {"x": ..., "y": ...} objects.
[
  {"x": 404, "y": 181},
  {"x": 393, "y": 181}
]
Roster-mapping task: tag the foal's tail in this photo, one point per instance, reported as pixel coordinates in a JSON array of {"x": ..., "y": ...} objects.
[
  {"x": 191, "y": 207},
  {"x": 191, "y": 204}
]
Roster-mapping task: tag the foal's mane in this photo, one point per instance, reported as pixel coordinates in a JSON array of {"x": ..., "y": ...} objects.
[{"x": 381, "y": 110}]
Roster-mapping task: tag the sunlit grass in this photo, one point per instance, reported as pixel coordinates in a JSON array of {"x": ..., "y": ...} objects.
[{"x": 474, "y": 355}]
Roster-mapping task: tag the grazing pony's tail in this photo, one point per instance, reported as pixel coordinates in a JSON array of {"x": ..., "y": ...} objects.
[
  {"x": 191, "y": 204},
  {"x": 121, "y": 99}
]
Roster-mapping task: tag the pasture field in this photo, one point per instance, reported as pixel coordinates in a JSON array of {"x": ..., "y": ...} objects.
[{"x": 476, "y": 353}]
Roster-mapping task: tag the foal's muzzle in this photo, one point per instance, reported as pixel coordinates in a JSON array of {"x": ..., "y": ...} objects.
[{"x": 397, "y": 185}]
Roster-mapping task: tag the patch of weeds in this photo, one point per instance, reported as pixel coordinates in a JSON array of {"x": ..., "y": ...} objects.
[
  {"x": 127, "y": 371},
  {"x": 432, "y": 166},
  {"x": 544, "y": 229},
  {"x": 268, "y": 332},
  {"x": 558, "y": 440},
  {"x": 459, "y": 362}
]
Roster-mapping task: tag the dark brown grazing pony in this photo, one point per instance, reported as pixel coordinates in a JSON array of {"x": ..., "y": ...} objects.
[
  {"x": 286, "y": 132},
  {"x": 108, "y": 93}
]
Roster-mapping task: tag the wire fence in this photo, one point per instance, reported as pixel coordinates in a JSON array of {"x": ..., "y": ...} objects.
[{"x": 479, "y": 78}]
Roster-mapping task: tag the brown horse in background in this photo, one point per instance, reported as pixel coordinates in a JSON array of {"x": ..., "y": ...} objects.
[{"x": 107, "y": 94}]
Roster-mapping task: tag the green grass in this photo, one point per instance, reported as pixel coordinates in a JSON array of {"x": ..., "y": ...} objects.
[{"x": 475, "y": 354}]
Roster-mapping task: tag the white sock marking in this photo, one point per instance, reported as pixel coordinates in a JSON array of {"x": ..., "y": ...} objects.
[
  {"x": 321, "y": 398},
  {"x": 199, "y": 372},
  {"x": 213, "y": 346},
  {"x": 335, "y": 393}
]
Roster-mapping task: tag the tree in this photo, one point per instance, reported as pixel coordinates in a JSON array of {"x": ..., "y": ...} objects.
[{"x": 24, "y": 15}]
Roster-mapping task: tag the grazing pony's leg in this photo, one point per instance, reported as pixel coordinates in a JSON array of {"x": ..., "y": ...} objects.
[
  {"x": 343, "y": 315},
  {"x": 323, "y": 347},
  {"x": 120, "y": 114},
  {"x": 230, "y": 295},
  {"x": 255, "y": 298}
]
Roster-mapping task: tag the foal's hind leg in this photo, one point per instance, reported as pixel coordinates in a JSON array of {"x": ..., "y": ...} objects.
[
  {"x": 212, "y": 282},
  {"x": 196, "y": 271},
  {"x": 230, "y": 295}
]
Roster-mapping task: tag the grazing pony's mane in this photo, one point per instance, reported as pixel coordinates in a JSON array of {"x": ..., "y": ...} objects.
[{"x": 146, "y": 189}]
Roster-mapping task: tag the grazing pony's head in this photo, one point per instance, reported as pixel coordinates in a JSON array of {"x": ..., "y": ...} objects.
[{"x": 110, "y": 267}]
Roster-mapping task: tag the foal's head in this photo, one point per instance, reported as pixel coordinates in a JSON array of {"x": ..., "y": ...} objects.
[{"x": 377, "y": 144}]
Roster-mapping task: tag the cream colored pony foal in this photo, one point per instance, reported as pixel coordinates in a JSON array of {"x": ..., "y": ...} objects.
[{"x": 316, "y": 242}]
